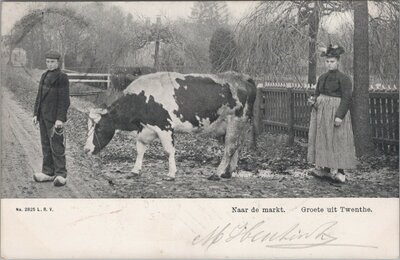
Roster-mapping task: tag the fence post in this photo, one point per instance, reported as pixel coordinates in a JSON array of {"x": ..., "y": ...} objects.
[
  {"x": 290, "y": 141},
  {"x": 157, "y": 45},
  {"x": 108, "y": 76},
  {"x": 257, "y": 112}
]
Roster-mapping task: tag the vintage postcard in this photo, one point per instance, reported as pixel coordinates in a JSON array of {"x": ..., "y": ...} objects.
[{"x": 208, "y": 130}]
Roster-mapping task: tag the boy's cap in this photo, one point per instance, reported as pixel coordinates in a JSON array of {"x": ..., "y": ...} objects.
[{"x": 53, "y": 55}]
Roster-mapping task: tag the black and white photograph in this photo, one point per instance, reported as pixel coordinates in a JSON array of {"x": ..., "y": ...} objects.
[{"x": 188, "y": 104}]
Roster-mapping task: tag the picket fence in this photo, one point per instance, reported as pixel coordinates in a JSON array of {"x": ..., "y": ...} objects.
[{"x": 283, "y": 108}]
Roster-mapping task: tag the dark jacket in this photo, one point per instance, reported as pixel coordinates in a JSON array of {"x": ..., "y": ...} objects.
[
  {"x": 52, "y": 100},
  {"x": 336, "y": 84}
]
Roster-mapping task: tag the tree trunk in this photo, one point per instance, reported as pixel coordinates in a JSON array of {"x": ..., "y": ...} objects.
[
  {"x": 42, "y": 44},
  {"x": 9, "y": 62},
  {"x": 11, "y": 48},
  {"x": 157, "y": 45},
  {"x": 360, "y": 107},
  {"x": 11, "y": 34},
  {"x": 313, "y": 25},
  {"x": 30, "y": 50}
]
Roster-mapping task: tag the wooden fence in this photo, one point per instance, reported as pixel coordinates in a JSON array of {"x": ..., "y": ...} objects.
[
  {"x": 283, "y": 108},
  {"x": 90, "y": 78}
]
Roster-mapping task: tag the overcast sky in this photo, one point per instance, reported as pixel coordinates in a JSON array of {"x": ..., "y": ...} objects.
[
  {"x": 13, "y": 11},
  {"x": 179, "y": 9}
]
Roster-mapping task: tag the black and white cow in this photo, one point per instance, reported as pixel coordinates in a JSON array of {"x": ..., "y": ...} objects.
[{"x": 156, "y": 105}]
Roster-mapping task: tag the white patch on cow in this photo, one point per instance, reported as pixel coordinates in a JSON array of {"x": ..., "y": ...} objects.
[
  {"x": 180, "y": 126},
  {"x": 140, "y": 150},
  {"x": 96, "y": 113},
  {"x": 216, "y": 128},
  {"x": 169, "y": 148},
  {"x": 166, "y": 141},
  {"x": 89, "y": 146},
  {"x": 94, "y": 118},
  {"x": 204, "y": 122},
  {"x": 185, "y": 87},
  {"x": 160, "y": 85},
  {"x": 222, "y": 79},
  {"x": 246, "y": 107},
  {"x": 146, "y": 136},
  {"x": 89, "y": 123},
  {"x": 225, "y": 110}
]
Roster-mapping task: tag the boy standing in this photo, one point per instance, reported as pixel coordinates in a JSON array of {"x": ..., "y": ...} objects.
[{"x": 50, "y": 112}]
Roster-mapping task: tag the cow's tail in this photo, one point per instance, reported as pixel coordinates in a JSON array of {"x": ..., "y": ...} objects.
[{"x": 251, "y": 101}]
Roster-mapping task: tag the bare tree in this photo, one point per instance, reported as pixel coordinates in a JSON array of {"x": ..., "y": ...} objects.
[
  {"x": 384, "y": 43},
  {"x": 223, "y": 51},
  {"x": 59, "y": 24},
  {"x": 211, "y": 13},
  {"x": 23, "y": 27},
  {"x": 360, "y": 107},
  {"x": 284, "y": 28},
  {"x": 65, "y": 28}
]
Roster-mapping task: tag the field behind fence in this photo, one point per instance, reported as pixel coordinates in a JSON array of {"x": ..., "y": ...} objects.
[{"x": 283, "y": 108}]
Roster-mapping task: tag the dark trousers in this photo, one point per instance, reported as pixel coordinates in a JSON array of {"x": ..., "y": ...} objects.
[{"x": 53, "y": 149}]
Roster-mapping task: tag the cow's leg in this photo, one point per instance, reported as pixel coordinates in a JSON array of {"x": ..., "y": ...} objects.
[
  {"x": 231, "y": 146},
  {"x": 167, "y": 141},
  {"x": 233, "y": 141},
  {"x": 145, "y": 137},
  {"x": 240, "y": 131},
  {"x": 140, "y": 150},
  {"x": 254, "y": 135},
  {"x": 232, "y": 165}
]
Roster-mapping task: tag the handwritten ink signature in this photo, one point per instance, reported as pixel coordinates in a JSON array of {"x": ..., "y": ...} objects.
[{"x": 294, "y": 237}]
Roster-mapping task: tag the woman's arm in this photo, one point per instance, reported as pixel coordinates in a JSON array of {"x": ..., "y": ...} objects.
[
  {"x": 316, "y": 92},
  {"x": 345, "y": 101}
]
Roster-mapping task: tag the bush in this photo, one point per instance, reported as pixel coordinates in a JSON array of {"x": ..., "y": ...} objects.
[{"x": 223, "y": 50}]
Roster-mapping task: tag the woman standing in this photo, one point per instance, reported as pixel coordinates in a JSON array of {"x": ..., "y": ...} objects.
[{"x": 330, "y": 137}]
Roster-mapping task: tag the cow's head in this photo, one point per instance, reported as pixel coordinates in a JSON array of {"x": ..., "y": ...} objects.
[{"x": 101, "y": 130}]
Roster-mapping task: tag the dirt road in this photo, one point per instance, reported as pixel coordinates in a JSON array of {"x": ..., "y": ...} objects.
[{"x": 21, "y": 157}]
